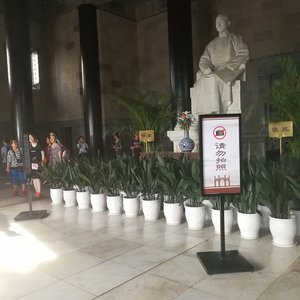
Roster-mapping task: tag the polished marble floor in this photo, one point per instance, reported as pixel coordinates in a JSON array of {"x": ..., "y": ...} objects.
[{"x": 77, "y": 254}]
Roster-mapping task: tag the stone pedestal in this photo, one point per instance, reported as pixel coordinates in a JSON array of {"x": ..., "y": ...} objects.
[{"x": 176, "y": 136}]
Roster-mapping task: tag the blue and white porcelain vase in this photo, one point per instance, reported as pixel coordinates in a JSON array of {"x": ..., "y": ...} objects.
[{"x": 186, "y": 144}]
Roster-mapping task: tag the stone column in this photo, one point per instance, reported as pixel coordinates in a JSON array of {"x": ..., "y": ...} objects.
[
  {"x": 181, "y": 53},
  {"x": 91, "y": 78},
  {"x": 19, "y": 66}
]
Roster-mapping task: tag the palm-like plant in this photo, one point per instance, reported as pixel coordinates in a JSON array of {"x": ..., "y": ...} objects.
[
  {"x": 111, "y": 177},
  {"x": 95, "y": 170},
  {"x": 192, "y": 177},
  {"x": 248, "y": 200},
  {"x": 292, "y": 167},
  {"x": 129, "y": 168},
  {"x": 149, "y": 110},
  {"x": 148, "y": 177},
  {"x": 80, "y": 174},
  {"x": 285, "y": 98},
  {"x": 172, "y": 178},
  {"x": 67, "y": 178},
  {"x": 217, "y": 201},
  {"x": 53, "y": 175},
  {"x": 273, "y": 186}
]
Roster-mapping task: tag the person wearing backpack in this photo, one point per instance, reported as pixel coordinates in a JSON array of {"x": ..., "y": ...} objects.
[
  {"x": 4, "y": 151},
  {"x": 15, "y": 168}
]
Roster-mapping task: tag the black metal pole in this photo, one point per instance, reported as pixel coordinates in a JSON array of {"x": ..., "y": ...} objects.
[{"x": 222, "y": 229}]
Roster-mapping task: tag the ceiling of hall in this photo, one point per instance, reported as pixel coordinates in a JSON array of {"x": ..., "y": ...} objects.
[{"x": 44, "y": 10}]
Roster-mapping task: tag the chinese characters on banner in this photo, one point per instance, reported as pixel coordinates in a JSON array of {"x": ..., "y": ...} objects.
[
  {"x": 146, "y": 136},
  {"x": 221, "y": 154},
  {"x": 281, "y": 129}
]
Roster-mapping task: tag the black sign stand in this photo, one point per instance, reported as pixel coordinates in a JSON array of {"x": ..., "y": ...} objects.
[
  {"x": 31, "y": 214},
  {"x": 219, "y": 262}
]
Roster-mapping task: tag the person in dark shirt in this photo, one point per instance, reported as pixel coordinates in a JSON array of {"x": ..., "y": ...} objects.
[
  {"x": 136, "y": 146},
  {"x": 118, "y": 144},
  {"x": 37, "y": 157}
]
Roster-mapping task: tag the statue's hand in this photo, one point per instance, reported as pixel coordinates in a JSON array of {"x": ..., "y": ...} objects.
[
  {"x": 230, "y": 68},
  {"x": 207, "y": 71}
]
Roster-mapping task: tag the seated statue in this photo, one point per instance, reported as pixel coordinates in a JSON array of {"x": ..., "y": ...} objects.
[{"x": 221, "y": 64}]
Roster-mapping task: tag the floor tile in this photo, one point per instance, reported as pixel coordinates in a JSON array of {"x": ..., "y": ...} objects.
[
  {"x": 102, "y": 278},
  {"x": 59, "y": 290},
  {"x": 70, "y": 264},
  {"x": 145, "y": 287},
  {"x": 193, "y": 294},
  {"x": 182, "y": 269},
  {"x": 17, "y": 285},
  {"x": 144, "y": 258}
]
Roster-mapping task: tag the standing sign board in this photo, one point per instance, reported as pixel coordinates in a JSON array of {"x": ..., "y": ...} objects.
[
  {"x": 220, "y": 154},
  {"x": 219, "y": 137}
]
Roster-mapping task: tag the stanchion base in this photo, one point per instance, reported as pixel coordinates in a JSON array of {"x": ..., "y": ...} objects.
[
  {"x": 234, "y": 262},
  {"x": 30, "y": 215}
]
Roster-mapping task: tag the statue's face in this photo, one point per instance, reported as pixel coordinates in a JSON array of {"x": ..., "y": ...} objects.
[{"x": 221, "y": 23}]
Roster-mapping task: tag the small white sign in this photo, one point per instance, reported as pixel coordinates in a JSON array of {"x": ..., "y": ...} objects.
[{"x": 220, "y": 154}]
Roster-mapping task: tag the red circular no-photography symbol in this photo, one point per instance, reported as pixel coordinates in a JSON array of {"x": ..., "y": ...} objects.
[{"x": 219, "y": 132}]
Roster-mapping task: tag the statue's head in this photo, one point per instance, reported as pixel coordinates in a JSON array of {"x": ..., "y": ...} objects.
[{"x": 222, "y": 23}]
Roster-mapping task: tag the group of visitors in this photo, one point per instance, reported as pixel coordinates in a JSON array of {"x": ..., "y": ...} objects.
[
  {"x": 13, "y": 161},
  {"x": 135, "y": 146},
  {"x": 53, "y": 152}
]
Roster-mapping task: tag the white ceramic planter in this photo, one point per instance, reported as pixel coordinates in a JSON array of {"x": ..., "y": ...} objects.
[
  {"x": 249, "y": 225},
  {"x": 228, "y": 220},
  {"x": 114, "y": 205},
  {"x": 98, "y": 202},
  {"x": 297, "y": 216},
  {"x": 265, "y": 212},
  {"x": 283, "y": 231},
  {"x": 173, "y": 213},
  {"x": 195, "y": 216},
  {"x": 234, "y": 211},
  {"x": 56, "y": 196},
  {"x": 208, "y": 207},
  {"x": 83, "y": 200},
  {"x": 131, "y": 206},
  {"x": 151, "y": 209},
  {"x": 69, "y": 198}
]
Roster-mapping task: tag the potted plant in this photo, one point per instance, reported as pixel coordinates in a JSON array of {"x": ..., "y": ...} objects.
[
  {"x": 67, "y": 182},
  {"x": 111, "y": 178},
  {"x": 130, "y": 167},
  {"x": 97, "y": 190},
  {"x": 292, "y": 165},
  {"x": 148, "y": 110},
  {"x": 248, "y": 220},
  {"x": 274, "y": 187},
  {"x": 149, "y": 185},
  {"x": 172, "y": 183},
  {"x": 53, "y": 175},
  {"x": 82, "y": 182},
  {"x": 228, "y": 213},
  {"x": 195, "y": 210}
]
